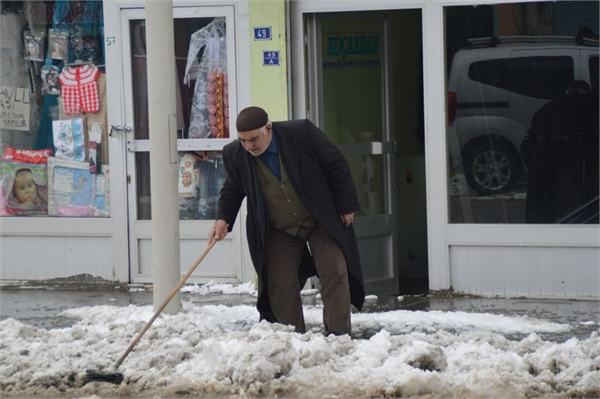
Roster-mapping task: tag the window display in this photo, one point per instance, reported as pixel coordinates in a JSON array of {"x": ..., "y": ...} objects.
[
  {"x": 52, "y": 102},
  {"x": 210, "y": 106},
  {"x": 523, "y": 112},
  {"x": 201, "y": 176},
  {"x": 202, "y": 99}
]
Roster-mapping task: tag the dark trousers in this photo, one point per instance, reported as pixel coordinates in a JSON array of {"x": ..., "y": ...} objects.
[{"x": 283, "y": 261}]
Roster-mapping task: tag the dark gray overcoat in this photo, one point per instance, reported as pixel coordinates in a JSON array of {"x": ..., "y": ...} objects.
[{"x": 321, "y": 177}]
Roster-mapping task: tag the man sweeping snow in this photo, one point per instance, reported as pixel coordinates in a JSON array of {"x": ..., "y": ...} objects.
[{"x": 299, "y": 190}]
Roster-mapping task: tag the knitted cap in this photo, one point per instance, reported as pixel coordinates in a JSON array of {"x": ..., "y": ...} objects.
[{"x": 251, "y": 118}]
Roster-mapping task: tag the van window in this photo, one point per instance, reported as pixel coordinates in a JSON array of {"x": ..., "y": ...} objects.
[
  {"x": 541, "y": 77},
  {"x": 538, "y": 77},
  {"x": 594, "y": 73},
  {"x": 491, "y": 72}
]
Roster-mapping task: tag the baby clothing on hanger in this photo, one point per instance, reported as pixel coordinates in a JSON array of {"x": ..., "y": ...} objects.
[{"x": 80, "y": 89}]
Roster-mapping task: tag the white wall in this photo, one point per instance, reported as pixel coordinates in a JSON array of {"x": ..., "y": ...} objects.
[
  {"x": 533, "y": 272},
  {"x": 43, "y": 258},
  {"x": 45, "y": 248}
]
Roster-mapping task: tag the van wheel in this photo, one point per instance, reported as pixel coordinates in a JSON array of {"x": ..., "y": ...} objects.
[{"x": 491, "y": 166}]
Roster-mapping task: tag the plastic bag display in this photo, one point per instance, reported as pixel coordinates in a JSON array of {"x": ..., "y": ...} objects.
[
  {"x": 209, "y": 114},
  {"x": 25, "y": 181}
]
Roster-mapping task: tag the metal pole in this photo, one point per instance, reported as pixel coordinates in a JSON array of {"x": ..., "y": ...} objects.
[{"x": 160, "y": 50}]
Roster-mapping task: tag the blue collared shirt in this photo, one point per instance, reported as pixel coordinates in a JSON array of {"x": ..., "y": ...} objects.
[{"x": 271, "y": 158}]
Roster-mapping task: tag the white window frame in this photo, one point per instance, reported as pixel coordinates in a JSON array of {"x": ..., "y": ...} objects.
[{"x": 441, "y": 234}]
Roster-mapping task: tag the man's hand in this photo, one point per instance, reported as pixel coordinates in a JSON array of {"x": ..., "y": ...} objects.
[
  {"x": 218, "y": 230},
  {"x": 348, "y": 219}
]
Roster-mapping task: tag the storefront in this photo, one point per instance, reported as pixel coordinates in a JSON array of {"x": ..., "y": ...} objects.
[
  {"x": 432, "y": 102},
  {"x": 434, "y": 121},
  {"x": 89, "y": 219}
]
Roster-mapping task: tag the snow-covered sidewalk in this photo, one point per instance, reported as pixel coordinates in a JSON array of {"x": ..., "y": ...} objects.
[{"x": 222, "y": 351}]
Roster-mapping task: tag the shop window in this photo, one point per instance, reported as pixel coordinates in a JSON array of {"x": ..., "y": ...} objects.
[
  {"x": 202, "y": 113},
  {"x": 201, "y": 176},
  {"x": 523, "y": 136},
  {"x": 53, "y": 131}
]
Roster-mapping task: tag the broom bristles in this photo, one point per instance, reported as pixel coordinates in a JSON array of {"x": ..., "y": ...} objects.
[{"x": 101, "y": 376}]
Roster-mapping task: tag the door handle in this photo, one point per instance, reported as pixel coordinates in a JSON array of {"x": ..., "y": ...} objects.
[{"x": 119, "y": 128}]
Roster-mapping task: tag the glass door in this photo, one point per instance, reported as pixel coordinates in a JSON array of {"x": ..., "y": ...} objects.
[
  {"x": 349, "y": 101},
  {"x": 205, "y": 81}
]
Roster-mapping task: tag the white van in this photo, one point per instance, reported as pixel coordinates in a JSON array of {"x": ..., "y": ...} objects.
[{"x": 494, "y": 88}]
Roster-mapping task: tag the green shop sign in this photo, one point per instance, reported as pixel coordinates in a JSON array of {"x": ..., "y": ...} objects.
[{"x": 351, "y": 50}]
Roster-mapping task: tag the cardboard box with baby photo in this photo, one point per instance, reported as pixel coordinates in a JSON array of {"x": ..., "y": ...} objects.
[
  {"x": 75, "y": 192},
  {"x": 24, "y": 187}
]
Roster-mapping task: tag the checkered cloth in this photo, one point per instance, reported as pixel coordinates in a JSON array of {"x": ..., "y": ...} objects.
[{"x": 80, "y": 90}]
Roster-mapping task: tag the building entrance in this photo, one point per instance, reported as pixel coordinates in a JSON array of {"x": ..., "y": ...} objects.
[
  {"x": 205, "y": 81},
  {"x": 365, "y": 77}
]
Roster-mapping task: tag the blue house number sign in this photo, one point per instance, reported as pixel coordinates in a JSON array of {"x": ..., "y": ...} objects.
[
  {"x": 271, "y": 58},
  {"x": 262, "y": 33}
]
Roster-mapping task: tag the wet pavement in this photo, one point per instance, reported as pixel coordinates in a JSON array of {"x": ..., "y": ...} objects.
[{"x": 43, "y": 307}]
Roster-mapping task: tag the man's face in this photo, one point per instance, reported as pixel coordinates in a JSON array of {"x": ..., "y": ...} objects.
[{"x": 256, "y": 141}]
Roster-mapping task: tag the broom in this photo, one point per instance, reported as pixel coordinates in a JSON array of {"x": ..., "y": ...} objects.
[{"x": 114, "y": 377}]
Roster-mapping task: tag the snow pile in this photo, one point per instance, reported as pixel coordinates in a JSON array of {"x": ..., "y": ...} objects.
[
  {"x": 219, "y": 351},
  {"x": 212, "y": 287}
]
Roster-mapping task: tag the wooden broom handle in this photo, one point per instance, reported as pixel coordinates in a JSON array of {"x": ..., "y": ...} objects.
[{"x": 166, "y": 302}]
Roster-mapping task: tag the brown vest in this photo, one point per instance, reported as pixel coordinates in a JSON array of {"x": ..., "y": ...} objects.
[{"x": 286, "y": 210}]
